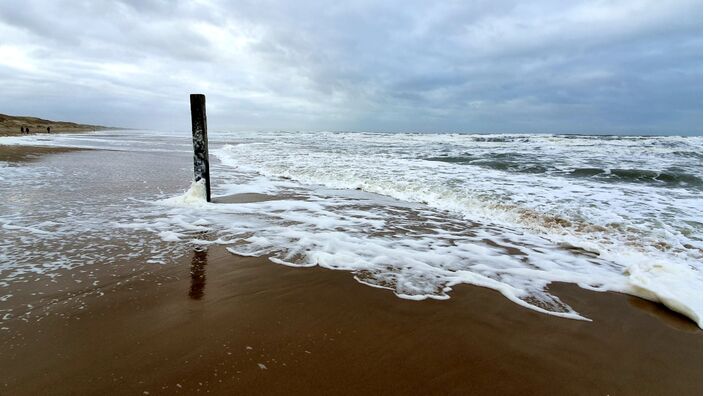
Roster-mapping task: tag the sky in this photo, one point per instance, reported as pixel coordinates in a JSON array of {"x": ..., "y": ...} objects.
[{"x": 616, "y": 67}]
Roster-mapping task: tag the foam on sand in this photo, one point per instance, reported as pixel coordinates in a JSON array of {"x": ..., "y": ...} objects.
[
  {"x": 679, "y": 288},
  {"x": 416, "y": 251},
  {"x": 642, "y": 207},
  {"x": 195, "y": 196},
  {"x": 415, "y": 214}
]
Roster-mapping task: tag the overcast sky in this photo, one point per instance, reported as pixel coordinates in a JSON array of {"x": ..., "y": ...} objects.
[{"x": 463, "y": 66}]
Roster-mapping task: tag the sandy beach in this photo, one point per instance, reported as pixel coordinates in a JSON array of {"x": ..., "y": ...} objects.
[
  {"x": 214, "y": 322},
  {"x": 14, "y": 154}
]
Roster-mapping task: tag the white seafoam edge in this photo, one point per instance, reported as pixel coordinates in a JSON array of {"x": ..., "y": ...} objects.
[
  {"x": 660, "y": 277},
  {"x": 676, "y": 287},
  {"x": 195, "y": 196}
]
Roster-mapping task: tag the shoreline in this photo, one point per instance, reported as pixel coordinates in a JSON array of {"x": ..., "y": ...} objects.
[
  {"x": 223, "y": 323},
  {"x": 57, "y": 130},
  {"x": 7, "y": 132},
  {"x": 18, "y": 153},
  {"x": 220, "y": 323}
]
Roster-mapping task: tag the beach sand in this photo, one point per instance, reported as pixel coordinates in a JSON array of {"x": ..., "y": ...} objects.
[
  {"x": 25, "y": 153},
  {"x": 217, "y": 323},
  {"x": 224, "y": 324}
]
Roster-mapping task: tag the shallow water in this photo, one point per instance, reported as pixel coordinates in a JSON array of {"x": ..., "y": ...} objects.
[{"x": 415, "y": 213}]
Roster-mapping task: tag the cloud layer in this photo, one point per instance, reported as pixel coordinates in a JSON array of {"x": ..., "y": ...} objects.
[{"x": 482, "y": 66}]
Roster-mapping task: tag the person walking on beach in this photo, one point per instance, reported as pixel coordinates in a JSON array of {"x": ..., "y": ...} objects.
[{"x": 48, "y": 129}]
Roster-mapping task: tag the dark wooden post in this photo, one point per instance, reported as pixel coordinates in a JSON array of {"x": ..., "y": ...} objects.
[{"x": 201, "y": 163}]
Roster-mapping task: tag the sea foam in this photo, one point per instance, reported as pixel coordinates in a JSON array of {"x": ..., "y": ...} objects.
[
  {"x": 415, "y": 214},
  {"x": 383, "y": 243},
  {"x": 195, "y": 196},
  {"x": 602, "y": 233}
]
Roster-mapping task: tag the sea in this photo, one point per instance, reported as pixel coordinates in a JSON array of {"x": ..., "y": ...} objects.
[{"x": 414, "y": 213}]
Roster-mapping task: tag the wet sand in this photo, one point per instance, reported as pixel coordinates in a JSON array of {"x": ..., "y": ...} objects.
[
  {"x": 29, "y": 153},
  {"x": 222, "y": 324}
]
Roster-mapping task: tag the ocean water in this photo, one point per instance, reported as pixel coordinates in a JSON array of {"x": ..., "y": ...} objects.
[{"x": 413, "y": 213}]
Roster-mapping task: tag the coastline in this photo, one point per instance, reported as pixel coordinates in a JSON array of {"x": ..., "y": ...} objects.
[
  {"x": 8, "y": 132},
  {"x": 17, "y": 153},
  {"x": 10, "y": 125},
  {"x": 222, "y": 323},
  {"x": 229, "y": 324}
]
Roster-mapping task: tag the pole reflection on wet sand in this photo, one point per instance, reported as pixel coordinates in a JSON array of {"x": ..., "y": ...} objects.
[{"x": 198, "y": 263}]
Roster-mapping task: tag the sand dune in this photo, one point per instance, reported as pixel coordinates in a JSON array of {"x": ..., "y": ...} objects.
[{"x": 11, "y": 125}]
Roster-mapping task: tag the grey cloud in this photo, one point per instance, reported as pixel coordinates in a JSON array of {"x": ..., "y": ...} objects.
[{"x": 547, "y": 66}]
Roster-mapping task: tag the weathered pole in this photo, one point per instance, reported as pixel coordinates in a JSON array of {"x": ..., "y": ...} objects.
[{"x": 199, "y": 122}]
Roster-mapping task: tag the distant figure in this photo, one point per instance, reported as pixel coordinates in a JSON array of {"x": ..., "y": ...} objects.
[
  {"x": 21, "y": 129},
  {"x": 26, "y": 129},
  {"x": 48, "y": 129}
]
